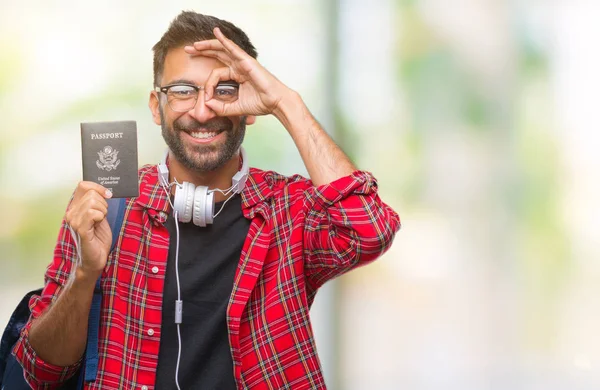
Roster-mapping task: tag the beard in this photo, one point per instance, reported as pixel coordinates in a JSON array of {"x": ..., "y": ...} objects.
[{"x": 203, "y": 158}]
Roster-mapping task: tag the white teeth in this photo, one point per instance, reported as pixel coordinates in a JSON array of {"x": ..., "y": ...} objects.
[{"x": 203, "y": 135}]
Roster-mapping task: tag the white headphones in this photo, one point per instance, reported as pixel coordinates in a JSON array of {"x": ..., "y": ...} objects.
[{"x": 197, "y": 203}]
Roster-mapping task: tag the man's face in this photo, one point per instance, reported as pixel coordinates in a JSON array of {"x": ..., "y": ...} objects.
[{"x": 199, "y": 139}]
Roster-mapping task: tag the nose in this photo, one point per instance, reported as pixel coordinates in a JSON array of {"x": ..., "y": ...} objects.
[{"x": 201, "y": 112}]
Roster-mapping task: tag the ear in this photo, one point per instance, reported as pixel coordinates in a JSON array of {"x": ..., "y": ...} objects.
[
  {"x": 153, "y": 104},
  {"x": 250, "y": 119}
]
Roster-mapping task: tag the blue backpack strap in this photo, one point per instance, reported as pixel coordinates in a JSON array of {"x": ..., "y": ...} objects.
[{"x": 115, "y": 215}]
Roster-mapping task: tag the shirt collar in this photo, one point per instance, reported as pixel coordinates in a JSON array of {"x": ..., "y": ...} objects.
[{"x": 152, "y": 197}]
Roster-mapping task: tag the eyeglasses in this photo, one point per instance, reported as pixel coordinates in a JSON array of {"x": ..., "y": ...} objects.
[{"x": 183, "y": 97}]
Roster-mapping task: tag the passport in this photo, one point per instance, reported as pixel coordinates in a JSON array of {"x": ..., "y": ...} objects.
[{"x": 110, "y": 156}]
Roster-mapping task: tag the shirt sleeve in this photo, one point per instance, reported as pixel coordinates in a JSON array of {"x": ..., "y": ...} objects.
[
  {"x": 347, "y": 225},
  {"x": 39, "y": 373}
]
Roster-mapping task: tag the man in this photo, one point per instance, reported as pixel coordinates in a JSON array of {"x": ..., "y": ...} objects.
[{"x": 247, "y": 281}]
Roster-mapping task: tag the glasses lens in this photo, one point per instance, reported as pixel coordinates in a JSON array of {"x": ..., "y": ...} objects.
[
  {"x": 182, "y": 97},
  {"x": 226, "y": 92}
]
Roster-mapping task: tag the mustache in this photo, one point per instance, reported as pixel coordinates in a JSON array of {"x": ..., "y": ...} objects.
[{"x": 216, "y": 124}]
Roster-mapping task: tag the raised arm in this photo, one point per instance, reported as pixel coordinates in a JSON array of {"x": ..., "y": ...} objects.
[
  {"x": 54, "y": 340},
  {"x": 261, "y": 93}
]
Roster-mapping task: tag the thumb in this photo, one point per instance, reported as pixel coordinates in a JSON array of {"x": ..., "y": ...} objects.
[{"x": 223, "y": 109}]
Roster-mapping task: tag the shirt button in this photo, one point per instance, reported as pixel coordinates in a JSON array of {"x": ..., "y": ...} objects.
[
  {"x": 163, "y": 215},
  {"x": 144, "y": 387},
  {"x": 151, "y": 332},
  {"x": 155, "y": 270}
]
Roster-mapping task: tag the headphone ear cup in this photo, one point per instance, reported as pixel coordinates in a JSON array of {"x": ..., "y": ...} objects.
[
  {"x": 210, "y": 207},
  {"x": 200, "y": 198},
  {"x": 184, "y": 201}
]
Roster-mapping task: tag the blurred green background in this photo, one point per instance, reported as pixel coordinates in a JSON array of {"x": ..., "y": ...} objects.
[{"x": 477, "y": 117}]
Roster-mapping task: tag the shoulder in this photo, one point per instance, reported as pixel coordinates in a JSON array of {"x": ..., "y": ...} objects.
[
  {"x": 148, "y": 176},
  {"x": 265, "y": 187},
  {"x": 276, "y": 181},
  {"x": 148, "y": 169}
]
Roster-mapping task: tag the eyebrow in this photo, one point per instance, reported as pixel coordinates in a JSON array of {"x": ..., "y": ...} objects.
[
  {"x": 181, "y": 81},
  {"x": 189, "y": 82}
]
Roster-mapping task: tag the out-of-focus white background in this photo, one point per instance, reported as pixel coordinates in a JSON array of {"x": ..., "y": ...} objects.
[{"x": 479, "y": 118}]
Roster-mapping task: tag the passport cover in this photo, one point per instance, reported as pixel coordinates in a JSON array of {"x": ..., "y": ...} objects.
[{"x": 110, "y": 157}]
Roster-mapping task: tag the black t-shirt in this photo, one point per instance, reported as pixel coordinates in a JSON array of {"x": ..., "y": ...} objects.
[{"x": 208, "y": 258}]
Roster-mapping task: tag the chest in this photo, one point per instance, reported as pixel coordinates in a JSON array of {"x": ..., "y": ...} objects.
[
  {"x": 202, "y": 260},
  {"x": 256, "y": 252}
]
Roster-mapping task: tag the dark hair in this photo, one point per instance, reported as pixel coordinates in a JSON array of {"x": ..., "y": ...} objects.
[{"x": 189, "y": 27}]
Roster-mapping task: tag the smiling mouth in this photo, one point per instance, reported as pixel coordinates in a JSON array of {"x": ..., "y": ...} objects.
[{"x": 204, "y": 134}]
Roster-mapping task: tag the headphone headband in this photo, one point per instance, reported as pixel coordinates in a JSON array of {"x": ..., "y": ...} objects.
[{"x": 238, "y": 180}]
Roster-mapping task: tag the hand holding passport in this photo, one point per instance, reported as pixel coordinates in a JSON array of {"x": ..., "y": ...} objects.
[{"x": 110, "y": 157}]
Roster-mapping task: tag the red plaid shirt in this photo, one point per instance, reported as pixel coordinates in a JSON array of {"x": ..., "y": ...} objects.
[{"x": 300, "y": 237}]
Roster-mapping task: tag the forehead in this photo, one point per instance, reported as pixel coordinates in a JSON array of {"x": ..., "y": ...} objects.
[{"x": 179, "y": 65}]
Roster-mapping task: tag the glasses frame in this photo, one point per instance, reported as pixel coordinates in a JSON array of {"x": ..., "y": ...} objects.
[{"x": 165, "y": 89}]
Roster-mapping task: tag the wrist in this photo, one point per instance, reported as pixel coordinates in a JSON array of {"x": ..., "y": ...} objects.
[
  {"x": 289, "y": 108},
  {"x": 85, "y": 277}
]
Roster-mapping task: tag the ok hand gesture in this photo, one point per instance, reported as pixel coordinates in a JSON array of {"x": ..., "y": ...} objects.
[{"x": 260, "y": 93}]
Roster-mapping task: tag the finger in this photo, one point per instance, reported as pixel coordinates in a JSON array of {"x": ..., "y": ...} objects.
[
  {"x": 87, "y": 223},
  {"x": 92, "y": 197},
  {"x": 236, "y": 51},
  {"x": 222, "y": 56},
  {"x": 224, "y": 109},
  {"x": 210, "y": 44},
  {"x": 83, "y": 220},
  {"x": 93, "y": 200},
  {"x": 84, "y": 186},
  {"x": 90, "y": 201},
  {"x": 94, "y": 215},
  {"x": 217, "y": 75}
]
